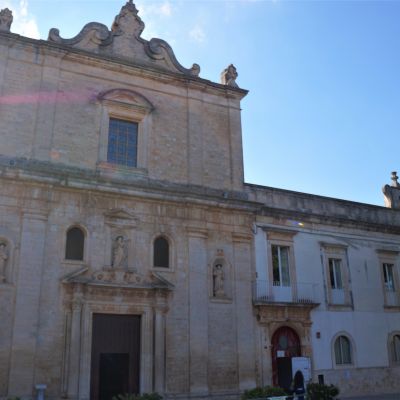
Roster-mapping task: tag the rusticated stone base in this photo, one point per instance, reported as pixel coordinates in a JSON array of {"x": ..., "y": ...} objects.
[{"x": 363, "y": 381}]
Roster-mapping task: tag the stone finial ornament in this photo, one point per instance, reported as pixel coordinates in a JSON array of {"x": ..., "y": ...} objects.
[
  {"x": 6, "y": 19},
  {"x": 229, "y": 75},
  {"x": 128, "y": 21},
  {"x": 395, "y": 182},
  {"x": 391, "y": 193}
]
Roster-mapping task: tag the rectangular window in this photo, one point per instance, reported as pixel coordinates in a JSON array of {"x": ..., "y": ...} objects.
[
  {"x": 280, "y": 265},
  {"x": 388, "y": 276},
  {"x": 122, "y": 142},
  {"x": 335, "y": 273}
]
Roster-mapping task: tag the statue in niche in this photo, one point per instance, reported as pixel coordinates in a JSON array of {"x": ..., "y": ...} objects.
[
  {"x": 3, "y": 261},
  {"x": 6, "y": 19},
  {"x": 229, "y": 75},
  {"x": 120, "y": 256},
  {"x": 218, "y": 280}
]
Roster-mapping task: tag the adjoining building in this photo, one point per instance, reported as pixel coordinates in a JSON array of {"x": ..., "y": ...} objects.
[{"x": 134, "y": 258}]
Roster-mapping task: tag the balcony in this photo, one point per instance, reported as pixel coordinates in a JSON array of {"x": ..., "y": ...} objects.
[
  {"x": 392, "y": 298},
  {"x": 266, "y": 293},
  {"x": 338, "y": 296}
]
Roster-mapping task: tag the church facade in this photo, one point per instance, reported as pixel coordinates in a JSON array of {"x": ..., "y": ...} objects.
[{"x": 134, "y": 258}]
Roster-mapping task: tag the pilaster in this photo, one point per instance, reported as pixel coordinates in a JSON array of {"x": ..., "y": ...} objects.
[
  {"x": 198, "y": 314},
  {"x": 243, "y": 297},
  {"x": 27, "y": 304},
  {"x": 75, "y": 348}
]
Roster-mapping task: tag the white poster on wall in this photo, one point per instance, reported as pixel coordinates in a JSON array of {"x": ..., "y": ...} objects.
[{"x": 302, "y": 364}]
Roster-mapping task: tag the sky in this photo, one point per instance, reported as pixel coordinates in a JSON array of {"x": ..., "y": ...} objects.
[{"x": 323, "y": 111}]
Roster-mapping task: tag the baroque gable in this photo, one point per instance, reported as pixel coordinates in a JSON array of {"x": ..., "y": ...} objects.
[{"x": 124, "y": 41}]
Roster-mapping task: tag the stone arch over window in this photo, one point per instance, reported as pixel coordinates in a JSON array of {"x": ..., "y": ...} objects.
[
  {"x": 161, "y": 252},
  {"x": 343, "y": 353},
  {"x": 75, "y": 243},
  {"x": 394, "y": 347}
]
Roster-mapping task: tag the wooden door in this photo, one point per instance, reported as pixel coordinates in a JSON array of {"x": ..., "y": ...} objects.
[
  {"x": 115, "y": 355},
  {"x": 285, "y": 344}
]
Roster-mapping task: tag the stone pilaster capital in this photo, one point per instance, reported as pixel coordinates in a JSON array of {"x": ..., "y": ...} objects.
[
  {"x": 197, "y": 232},
  {"x": 242, "y": 237},
  {"x": 39, "y": 215}
]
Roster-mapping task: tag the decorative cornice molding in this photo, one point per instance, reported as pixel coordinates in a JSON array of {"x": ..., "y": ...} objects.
[
  {"x": 196, "y": 232},
  {"x": 242, "y": 237},
  {"x": 393, "y": 252},
  {"x": 333, "y": 246},
  {"x": 116, "y": 277},
  {"x": 109, "y": 62}
]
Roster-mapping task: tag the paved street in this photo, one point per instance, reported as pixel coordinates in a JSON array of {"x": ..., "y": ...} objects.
[{"x": 395, "y": 396}]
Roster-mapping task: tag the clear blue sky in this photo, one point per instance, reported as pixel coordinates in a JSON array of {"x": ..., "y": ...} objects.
[{"x": 323, "y": 112}]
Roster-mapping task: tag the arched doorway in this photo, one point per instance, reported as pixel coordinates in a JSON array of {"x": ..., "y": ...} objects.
[{"x": 285, "y": 344}]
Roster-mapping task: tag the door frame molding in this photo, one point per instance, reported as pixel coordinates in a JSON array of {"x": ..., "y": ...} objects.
[{"x": 149, "y": 304}]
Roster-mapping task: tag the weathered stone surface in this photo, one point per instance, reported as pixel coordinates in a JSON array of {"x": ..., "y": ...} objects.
[
  {"x": 6, "y": 19},
  {"x": 204, "y": 333},
  {"x": 124, "y": 41}
]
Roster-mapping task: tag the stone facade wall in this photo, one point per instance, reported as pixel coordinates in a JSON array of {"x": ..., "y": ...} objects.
[
  {"x": 56, "y": 94},
  {"x": 204, "y": 332},
  {"x": 200, "y": 358}
]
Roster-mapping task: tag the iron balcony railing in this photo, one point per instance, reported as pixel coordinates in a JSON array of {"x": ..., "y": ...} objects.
[
  {"x": 275, "y": 292},
  {"x": 392, "y": 298}
]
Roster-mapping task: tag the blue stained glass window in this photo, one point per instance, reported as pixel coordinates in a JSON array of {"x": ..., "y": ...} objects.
[{"x": 122, "y": 142}]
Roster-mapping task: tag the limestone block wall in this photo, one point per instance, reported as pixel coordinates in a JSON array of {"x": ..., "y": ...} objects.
[
  {"x": 209, "y": 341},
  {"x": 52, "y": 112},
  {"x": 366, "y": 381}
]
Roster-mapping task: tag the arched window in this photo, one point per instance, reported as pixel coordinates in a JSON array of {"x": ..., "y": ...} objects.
[
  {"x": 161, "y": 252},
  {"x": 343, "y": 352},
  {"x": 395, "y": 345},
  {"x": 75, "y": 244}
]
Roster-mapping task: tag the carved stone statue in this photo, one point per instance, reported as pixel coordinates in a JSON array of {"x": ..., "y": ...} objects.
[
  {"x": 229, "y": 75},
  {"x": 395, "y": 180},
  {"x": 218, "y": 280},
  {"x": 392, "y": 193},
  {"x": 128, "y": 21},
  {"x": 119, "y": 253},
  {"x": 6, "y": 19},
  {"x": 3, "y": 261}
]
